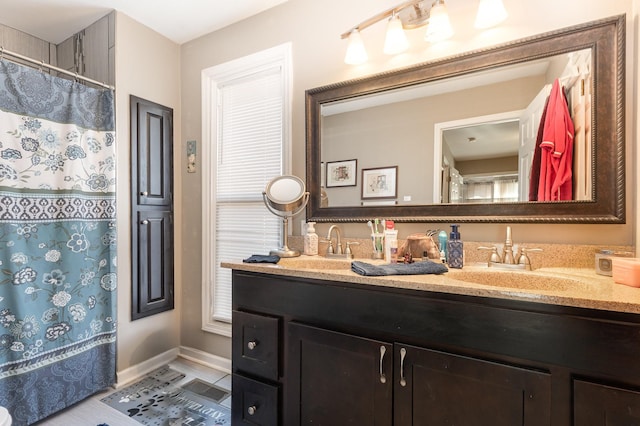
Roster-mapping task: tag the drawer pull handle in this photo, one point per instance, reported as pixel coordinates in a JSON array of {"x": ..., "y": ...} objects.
[
  {"x": 252, "y": 410},
  {"x": 144, "y": 193},
  {"x": 145, "y": 222},
  {"x": 403, "y": 353},
  {"x": 383, "y": 350},
  {"x": 252, "y": 345}
]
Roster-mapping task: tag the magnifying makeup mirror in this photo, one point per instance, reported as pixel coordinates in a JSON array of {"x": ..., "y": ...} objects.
[{"x": 285, "y": 196}]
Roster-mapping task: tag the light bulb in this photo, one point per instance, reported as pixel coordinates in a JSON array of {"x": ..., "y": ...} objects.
[
  {"x": 439, "y": 26},
  {"x": 356, "y": 53},
  {"x": 395, "y": 41},
  {"x": 490, "y": 13}
]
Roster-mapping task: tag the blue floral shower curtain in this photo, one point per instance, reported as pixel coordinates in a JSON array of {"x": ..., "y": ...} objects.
[{"x": 57, "y": 242}]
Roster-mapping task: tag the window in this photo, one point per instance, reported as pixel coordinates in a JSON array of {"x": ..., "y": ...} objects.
[{"x": 246, "y": 134}]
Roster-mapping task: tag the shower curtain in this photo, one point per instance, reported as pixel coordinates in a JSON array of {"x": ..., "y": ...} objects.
[{"x": 57, "y": 242}]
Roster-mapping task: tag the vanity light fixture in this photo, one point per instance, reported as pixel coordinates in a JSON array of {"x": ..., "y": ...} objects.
[{"x": 416, "y": 14}]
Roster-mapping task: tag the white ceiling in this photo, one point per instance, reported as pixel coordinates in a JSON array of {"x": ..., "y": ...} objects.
[{"x": 178, "y": 20}]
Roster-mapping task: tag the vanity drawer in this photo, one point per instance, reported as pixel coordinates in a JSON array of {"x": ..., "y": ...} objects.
[
  {"x": 256, "y": 342},
  {"x": 253, "y": 402}
]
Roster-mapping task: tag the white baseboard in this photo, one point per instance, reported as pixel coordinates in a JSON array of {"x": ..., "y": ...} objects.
[
  {"x": 134, "y": 372},
  {"x": 205, "y": 358}
]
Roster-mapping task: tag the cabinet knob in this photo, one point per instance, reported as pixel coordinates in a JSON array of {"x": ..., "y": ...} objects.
[
  {"x": 252, "y": 345},
  {"x": 252, "y": 410},
  {"x": 144, "y": 193},
  {"x": 145, "y": 222}
]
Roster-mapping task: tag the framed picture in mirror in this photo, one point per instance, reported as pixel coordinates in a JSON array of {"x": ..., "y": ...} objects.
[
  {"x": 380, "y": 182},
  {"x": 342, "y": 173}
]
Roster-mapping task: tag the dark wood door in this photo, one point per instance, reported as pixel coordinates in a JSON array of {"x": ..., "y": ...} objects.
[
  {"x": 336, "y": 379},
  {"x": 151, "y": 208},
  {"x": 601, "y": 405},
  {"x": 153, "y": 273},
  {"x": 152, "y": 140},
  {"x": 439, "y": 389}
]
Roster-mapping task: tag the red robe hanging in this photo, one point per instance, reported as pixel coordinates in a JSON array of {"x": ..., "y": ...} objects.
[{"x": 556, "y": 165}]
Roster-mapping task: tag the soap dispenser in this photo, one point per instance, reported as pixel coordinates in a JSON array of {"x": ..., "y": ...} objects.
[
  {"x": 311, "y": 240},
  {"x": 455, "y": 253}
]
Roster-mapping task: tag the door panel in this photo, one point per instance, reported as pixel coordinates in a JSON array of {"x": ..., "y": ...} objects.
[
  {"x": 602, "y": 405},
  {"x": 444, "y": 389},
  {"x": 336, "y": 379},
  {"x": 154, "y": 275},
  {"x": 151, "y": 125}
]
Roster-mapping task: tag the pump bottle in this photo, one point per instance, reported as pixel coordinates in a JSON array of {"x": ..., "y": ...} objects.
[
  {"x": 311, "y": 240},
  {"x": 455, "y": 252}
]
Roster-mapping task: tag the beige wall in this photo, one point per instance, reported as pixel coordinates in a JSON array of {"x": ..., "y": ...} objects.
[
  {"x": 147, "y": 65},
  {"x": 314, "y": 29}
]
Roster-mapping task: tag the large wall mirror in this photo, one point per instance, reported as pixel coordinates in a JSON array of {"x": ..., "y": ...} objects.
[{"x": 454, "y": 139}]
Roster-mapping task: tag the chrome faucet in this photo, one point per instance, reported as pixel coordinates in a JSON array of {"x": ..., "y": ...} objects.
[{"x": 508, "y": 260}]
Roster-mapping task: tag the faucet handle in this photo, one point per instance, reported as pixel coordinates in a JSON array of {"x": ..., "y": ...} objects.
[
  {"x": 329, "y": 246},
  {"x": 523, "y": 257},
  {"x": 348, "y": 251},
  {"x": 494, "y": 257}
]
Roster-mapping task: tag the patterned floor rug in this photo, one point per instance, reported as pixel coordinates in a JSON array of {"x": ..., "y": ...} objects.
[{"x": 156, "y": 400}]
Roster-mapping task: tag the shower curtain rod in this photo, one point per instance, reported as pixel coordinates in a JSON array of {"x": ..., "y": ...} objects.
[{"x": 76, "y": 76}]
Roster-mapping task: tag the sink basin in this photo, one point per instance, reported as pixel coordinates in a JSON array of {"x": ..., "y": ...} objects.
[
  {"x": 518, "y": 280},
  {"x": 321, "y": 263}
]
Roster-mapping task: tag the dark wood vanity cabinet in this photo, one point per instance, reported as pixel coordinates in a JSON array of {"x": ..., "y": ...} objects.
[{"x": 346, "y": 354}]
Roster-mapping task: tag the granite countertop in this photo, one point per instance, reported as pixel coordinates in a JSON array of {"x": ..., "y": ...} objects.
[{"x": 577, "y": 287}]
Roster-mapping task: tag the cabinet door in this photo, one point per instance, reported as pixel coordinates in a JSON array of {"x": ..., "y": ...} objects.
[
  {"x": 336, "y": 379},
  {"x": 153, "y": 265},
  {"x": 151, "y": 153},
  {"x": 601, "y": 405},
  {"x": 439, "y": 389}
]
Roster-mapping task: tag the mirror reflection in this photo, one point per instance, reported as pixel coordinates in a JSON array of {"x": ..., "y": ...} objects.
[{"x": 460, "y": 140}]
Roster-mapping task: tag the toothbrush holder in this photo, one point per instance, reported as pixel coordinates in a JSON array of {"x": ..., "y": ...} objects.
[{"x": 377, "y": 239}]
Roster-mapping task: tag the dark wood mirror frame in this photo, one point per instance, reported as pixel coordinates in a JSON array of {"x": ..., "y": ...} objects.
[{"x": 605, "y": 37}]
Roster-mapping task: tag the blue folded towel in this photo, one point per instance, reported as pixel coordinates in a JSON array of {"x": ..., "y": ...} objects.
[
  {"x": 416, "y": 268},
  {"x": 259, "y": 258}
]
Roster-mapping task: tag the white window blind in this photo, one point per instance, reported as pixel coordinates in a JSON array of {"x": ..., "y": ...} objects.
[
  {"x": 249, "y": 155},
  {"x": 248, "y": 140}
]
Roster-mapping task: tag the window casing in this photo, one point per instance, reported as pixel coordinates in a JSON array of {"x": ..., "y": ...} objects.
[{"x": 246, "y": 142}]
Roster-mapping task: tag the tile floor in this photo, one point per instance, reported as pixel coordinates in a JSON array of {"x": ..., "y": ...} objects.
[{"x": 92, "y": 411}]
